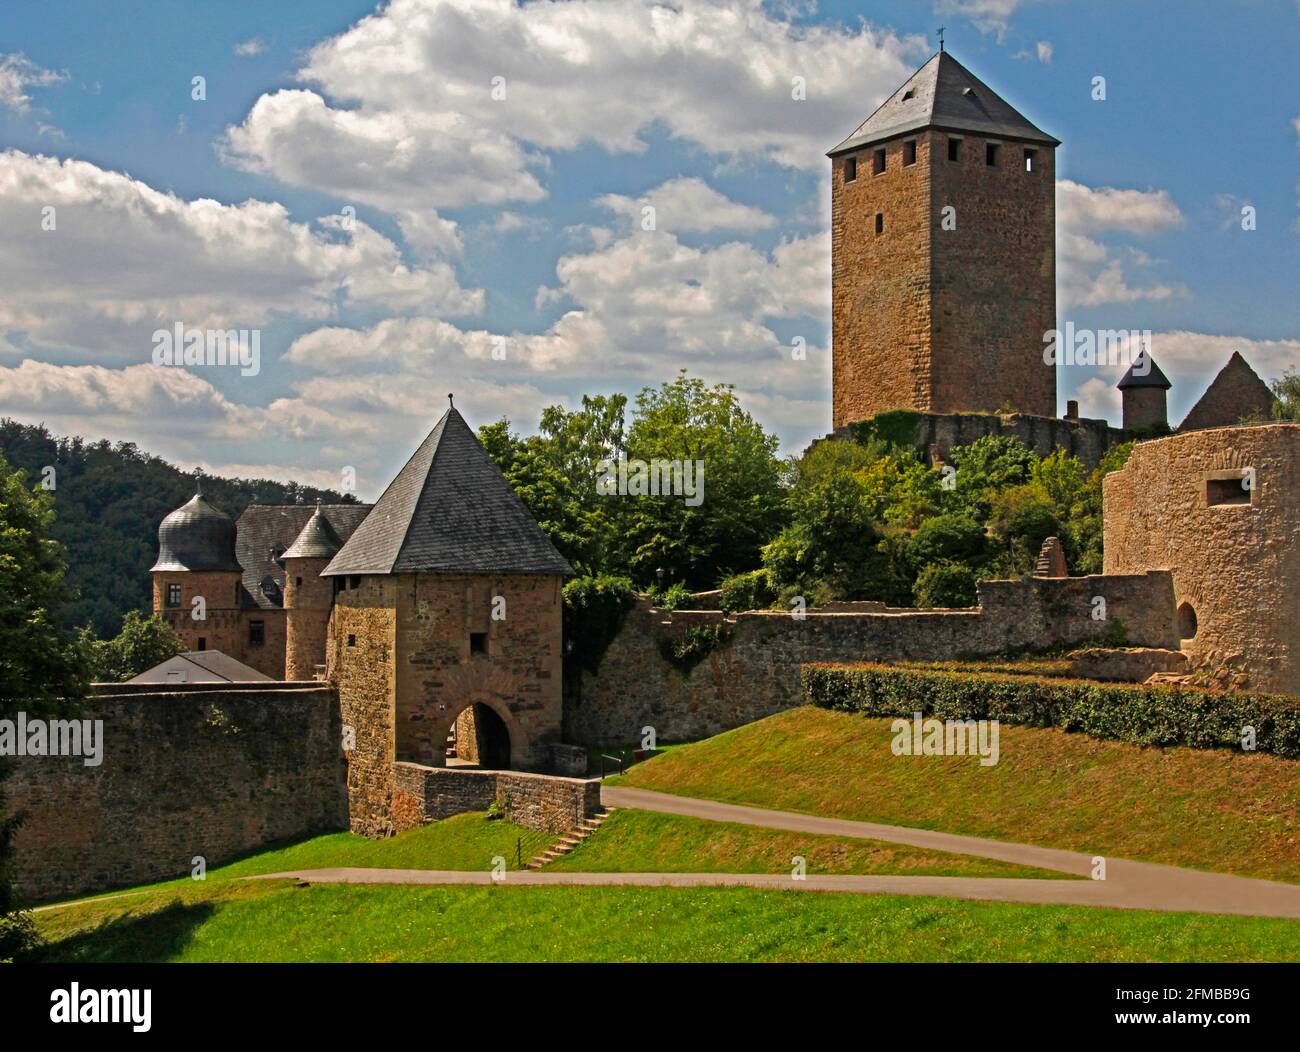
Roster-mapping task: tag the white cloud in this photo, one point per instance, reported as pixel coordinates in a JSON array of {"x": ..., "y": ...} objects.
[
  {"x": 412, "y": 124},
  {"x": 990, "y": 16},
  {"x": 1042, "y": 53},
  {"x": 125, "y": 259},
  {"x": 1088, "y": 273},
  {"x": 250, "y": 48},
  {"x": 687, "y": 205},
  {"x": 17, "y": 75}
]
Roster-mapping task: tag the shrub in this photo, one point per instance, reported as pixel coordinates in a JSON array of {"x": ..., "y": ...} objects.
[
  {"x": 947, "y": 538},
  {"x": 747, "y": 591},
  {"x": 697, "y": 643},
  {"x": 1132, "y": 713},
  {"x": 674, "y": 597},
  {"x": 945, "y": 584},
  {"x": 594, "y": 610}
]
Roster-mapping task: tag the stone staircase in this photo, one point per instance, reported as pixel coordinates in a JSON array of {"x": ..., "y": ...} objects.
[{"x": 571, "y": 839}]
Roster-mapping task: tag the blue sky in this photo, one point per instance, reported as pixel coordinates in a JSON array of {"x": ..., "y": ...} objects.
[{"x": 513, "y": 224}]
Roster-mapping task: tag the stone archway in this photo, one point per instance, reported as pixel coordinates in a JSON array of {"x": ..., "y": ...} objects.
[{"x": 482, "y": 738}]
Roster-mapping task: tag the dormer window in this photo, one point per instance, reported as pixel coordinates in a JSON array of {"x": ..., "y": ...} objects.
[{"x": 969, "y": 93}]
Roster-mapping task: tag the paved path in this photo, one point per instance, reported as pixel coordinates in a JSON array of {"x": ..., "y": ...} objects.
[{"x": 1128, "y": 885}]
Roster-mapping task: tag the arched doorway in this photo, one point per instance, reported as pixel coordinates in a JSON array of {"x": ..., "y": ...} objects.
[
  {"x": 1186, "y": 621},
  {"x": 481, "y": 739}
]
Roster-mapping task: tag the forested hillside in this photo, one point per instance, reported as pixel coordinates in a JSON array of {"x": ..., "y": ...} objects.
[{"x": 109, "y": 500}]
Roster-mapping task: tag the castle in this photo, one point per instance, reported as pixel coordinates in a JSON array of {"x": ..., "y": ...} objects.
[{"x": 425, "y": 631}]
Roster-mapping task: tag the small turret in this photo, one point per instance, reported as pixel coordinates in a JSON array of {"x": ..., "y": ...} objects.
[{"x": 1143, "y": 390}]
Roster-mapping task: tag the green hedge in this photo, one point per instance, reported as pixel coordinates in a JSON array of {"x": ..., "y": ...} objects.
[{"x": 1124, "y": 712}]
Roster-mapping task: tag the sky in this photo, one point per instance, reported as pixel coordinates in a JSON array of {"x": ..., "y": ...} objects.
[{"x": 434, "y": 196}]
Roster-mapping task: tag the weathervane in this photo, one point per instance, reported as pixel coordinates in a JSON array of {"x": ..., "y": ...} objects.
[
  {"x": 941, "y": 29},
  {"x": 449, "y": 401}
]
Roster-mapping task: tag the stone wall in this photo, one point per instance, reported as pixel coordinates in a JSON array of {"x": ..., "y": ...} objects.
[
  {"x": 535, "y": 801},
  {"x": 186, "y": 772},
  {"x": 754, "y": 672},
  {"x": 939, "y": 433},
  {"x": 226, "y": 624},
  {"x": 1179, "y": 505},
  {"x": 942, "y": 320}
]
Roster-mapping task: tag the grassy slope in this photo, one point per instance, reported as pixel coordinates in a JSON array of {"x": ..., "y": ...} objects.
[
  {"x": 1205, "y": 809},
  {"x": 274, "y": 921},
  {"x": 632, "y": 841}
]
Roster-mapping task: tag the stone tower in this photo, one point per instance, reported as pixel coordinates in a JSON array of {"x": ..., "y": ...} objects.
[
  {"x": 196, "y": 561},
  {"x": 1143, "y": 389},
  {"x": 447, "y": 602},
  {"x": 308, "y": 597},
  {"x": 943, "y": 253}
]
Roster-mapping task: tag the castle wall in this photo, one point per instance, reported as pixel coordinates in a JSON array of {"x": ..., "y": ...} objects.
[
  {"x": 186, "y": 772},
  {"x": 993, "y": 279},
  {"x": 1235, "y": 565},
  {"x": 534, "y": 801},
  {"x": 754, "y": 672},
  {"x": 880, "y": 283}
]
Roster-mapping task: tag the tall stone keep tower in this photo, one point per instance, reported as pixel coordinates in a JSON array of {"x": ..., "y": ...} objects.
[{"x": 943, "y": 250}]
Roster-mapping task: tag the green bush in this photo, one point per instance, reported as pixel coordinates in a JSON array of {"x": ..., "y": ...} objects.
[
  {"x": 674, "y": 597},
  {"x": 697, "y": 643},
  {"x": 945, "y": 584},
  {"x": 1132, "y": 713},
  {"x": 594, "y": 610},
  {"x": 747, "y": 591},
  {"x": 947, "y": 538}
]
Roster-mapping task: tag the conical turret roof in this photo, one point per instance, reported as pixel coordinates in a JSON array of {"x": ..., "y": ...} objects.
[{"x": 316, "y": 541}]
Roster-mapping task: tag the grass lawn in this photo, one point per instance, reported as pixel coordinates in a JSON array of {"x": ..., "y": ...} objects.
[
  {"x": 274, "y": 921},
  {"x": 1201, "y": 808},
  {"x": 465, "y": 841},
  {"x": 632, "y": 841}
]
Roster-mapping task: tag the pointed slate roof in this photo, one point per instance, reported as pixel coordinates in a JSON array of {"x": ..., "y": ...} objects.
[
  {"x": 1142, "y": 374},
  {"x": 316, "y": 541},
  {"x": 944, "y": 94},
  {"x": 449, "y": 510},
  {"x": 1236, "y": 394}
]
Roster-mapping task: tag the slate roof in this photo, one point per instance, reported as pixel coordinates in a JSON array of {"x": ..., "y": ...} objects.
[
  {"x": 1146, "y": 376},
  {"x": 266, "y": 529},
  {"x": 944, "y": 94},
  {"x": 317, "y": 540},
  {"x": 1235, "y": 394},
  {"x": 200, "y": 666},
  {"x": 449, "y": 510},
  {"x": 197, "y": 537}
]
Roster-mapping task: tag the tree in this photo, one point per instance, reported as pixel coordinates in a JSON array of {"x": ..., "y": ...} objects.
[
  {"x": 142, "y": 643},
  {"x": 43, "y": 669},
  {"x": 1286, "y": 395}
]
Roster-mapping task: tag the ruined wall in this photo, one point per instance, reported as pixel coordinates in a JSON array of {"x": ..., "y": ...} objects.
[
  {"x": 755, "y": 671},
  {"x": 535, "y": 801},
  {"x": 213, "y": 772},
  {"x": 1235, "y": 565},
  {"x": 939, "y": 433}
]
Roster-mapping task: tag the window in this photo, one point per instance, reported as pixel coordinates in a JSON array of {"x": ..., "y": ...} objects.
[
  {"x": 478, "y": 642},
  {"x": 909, "y": 93},
  {"x": 354, "y": 582},
  {"x": 297, "y": 582},
  {"x": 991, "y": 154},
  {"x": 850, "y": 169},
  {"x": 1186, "y": 621},
  {"x": 203, "y": 643},
  {"x": 880, "y": 222},
  {"x": 954, "y": 149},
  {"x": 878, "y": 161},
  {"x": 909, "y": 152},
  {"x": 256, "y": 633},
  {"x": 352, "y": 640},
  {"x": 1228, "y": 488},
  {"x": 173, "y": 595},
  {"x": 1030, "y": 155}
]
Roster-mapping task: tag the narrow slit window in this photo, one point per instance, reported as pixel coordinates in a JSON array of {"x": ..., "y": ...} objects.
[
  {"x": 878, "y": 161},
  {"x": 909, "y": 152},
  {"x": 1031, "y": 157},
  {"x": 991, "y": 154},
  {"x": 352, "y": 640},
  {"x": 850, "y": 169},
  {"x": 954, "y": 149},
  {"x": 256, "y": 633},
  {"x": 880, "y": 222},
  {"x": 203, "y": 643}
]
